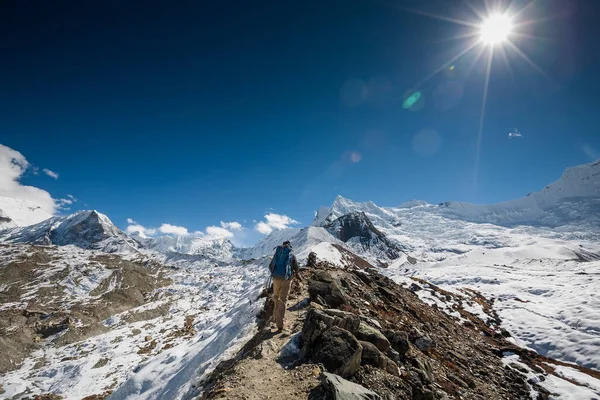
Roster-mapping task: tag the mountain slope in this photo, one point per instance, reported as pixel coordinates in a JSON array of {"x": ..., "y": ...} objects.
[
  {"x": 18, "y": 212},
  {"x": 572, "y": 198},
  {"x": 84, "y": 229}
]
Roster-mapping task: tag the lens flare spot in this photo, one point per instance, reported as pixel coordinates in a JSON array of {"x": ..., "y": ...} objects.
[{"x": 413, "y": 100}]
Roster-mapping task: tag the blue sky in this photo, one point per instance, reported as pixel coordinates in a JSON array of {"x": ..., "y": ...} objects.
[{"x": 191, "y": 113}]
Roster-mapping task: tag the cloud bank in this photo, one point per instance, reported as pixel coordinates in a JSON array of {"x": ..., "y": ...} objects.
[{"x": 13, "y": 166}]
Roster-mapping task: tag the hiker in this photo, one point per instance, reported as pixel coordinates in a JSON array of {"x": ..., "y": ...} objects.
[{"x": 283, "y": 266}]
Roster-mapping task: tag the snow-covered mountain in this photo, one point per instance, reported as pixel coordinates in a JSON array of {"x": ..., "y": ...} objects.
[
  {"x": 573, "y": 198},
  {"x": 84, "y": 229},
  {"x": 535, "y": 258},
  {"x": 18, "y": 212},
  {"x": 217, "y": 249},
  {"x": 357, "y": 231}
]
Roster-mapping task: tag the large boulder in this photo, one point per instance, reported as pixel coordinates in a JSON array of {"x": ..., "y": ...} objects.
[
  {"x": 341, "y": 389},
  {"x": 372, "y": 356},
  {"x": 338, "y": 351},
  {"x": 318, "y": 321},
  {"x": 324, "y": 286},
  {"x": 372, "y": 335}
]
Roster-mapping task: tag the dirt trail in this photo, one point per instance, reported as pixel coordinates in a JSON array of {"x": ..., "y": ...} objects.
[{"x": 264, "y": 374}]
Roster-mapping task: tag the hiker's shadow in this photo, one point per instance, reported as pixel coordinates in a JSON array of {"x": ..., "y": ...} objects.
[{"x": 300, "y": 305}]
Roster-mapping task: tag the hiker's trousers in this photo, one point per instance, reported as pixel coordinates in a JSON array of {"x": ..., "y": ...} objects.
[{"x": 281, "y": 288}]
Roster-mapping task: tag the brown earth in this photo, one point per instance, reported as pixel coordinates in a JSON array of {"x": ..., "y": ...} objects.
[{"x": 25, "y": 324}]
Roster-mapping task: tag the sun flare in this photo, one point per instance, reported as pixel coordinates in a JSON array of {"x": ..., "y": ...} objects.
[{"x": 496, "y": 29}]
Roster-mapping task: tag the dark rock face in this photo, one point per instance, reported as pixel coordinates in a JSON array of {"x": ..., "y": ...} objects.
[
  {"x": 88, "y": 230},
  {"x": 359, "y": 227},
  {"x": 338, "y": 351},
  {"x": 317, "y": 322}
]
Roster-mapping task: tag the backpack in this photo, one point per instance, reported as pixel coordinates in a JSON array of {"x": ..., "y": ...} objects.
[{"x": 282, "y": 260}]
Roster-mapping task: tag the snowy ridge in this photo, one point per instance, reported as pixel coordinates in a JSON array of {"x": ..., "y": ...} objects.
[
  {"x": 84, "y": 229},
  {"x": 576, "y": 185},
  {"x": 215, "y": 248},
  {"x": 18, "y": 212},
  {"x": 574, "y": 198}
]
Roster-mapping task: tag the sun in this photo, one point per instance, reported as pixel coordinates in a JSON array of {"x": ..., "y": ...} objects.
[{"x": 495, "y": 29}]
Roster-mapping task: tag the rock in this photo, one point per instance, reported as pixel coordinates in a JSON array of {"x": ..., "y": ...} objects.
[
  {"x": 420, "y": 393},
  {"x": 424, "y": 369},
  {"x": 422, "y": 341},
  {"x": 326, "y": 287},
  {"x": 456, "y": 380},
  {"x": 338, "y": 351},
  {"x": 322, "y": 276},
  {"x": 393, "y": 355},
  {"x": 399, "y": 342},
  {"x": 518, "y": 367},
  {"x": 363, "y": 277},
  {"x": 311, "y": 262},
  {"x": 318, "y": 321},
  {"x": 372, "y": 335},
  {"x": 372, "y": 356},
  {"x": 414, "y": 287},
  {"x": 101, "y": 363},
  {"x": 341, "y": 389}
]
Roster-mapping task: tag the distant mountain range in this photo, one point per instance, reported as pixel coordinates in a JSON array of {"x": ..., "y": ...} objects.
[{"x": 86, "y": 307}]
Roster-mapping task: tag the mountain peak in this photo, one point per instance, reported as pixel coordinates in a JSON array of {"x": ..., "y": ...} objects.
[{"x": 87, "y": 229}]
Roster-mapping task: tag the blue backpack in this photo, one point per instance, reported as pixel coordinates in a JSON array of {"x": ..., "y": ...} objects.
[{"x": 282, "y": 262}]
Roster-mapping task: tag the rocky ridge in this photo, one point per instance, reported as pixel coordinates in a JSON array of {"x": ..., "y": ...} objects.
[{"x": 354, "y": 331}]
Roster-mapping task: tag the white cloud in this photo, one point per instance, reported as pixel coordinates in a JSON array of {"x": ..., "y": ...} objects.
[
  {"x": 234, "y": 226},
  {"x": 176, "y": 230},
  {"x": 228, "y": 230},
  {"x": 218, "y": 232},
  {"x": 50, "y": 173},
  {"x": 274, "y": 222},
  {"x": 264, "y": 228},
  {"x": 137, "y": 228},
  {"x": 12, "y": 167}
]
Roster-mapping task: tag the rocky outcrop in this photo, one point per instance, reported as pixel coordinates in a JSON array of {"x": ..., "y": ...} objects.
[
  {"x": 356, "y": 228},
  {"x": 338, "y": 351},
  {"x": 326, "y": 290},
  {"x": 383, "y": 338}
]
